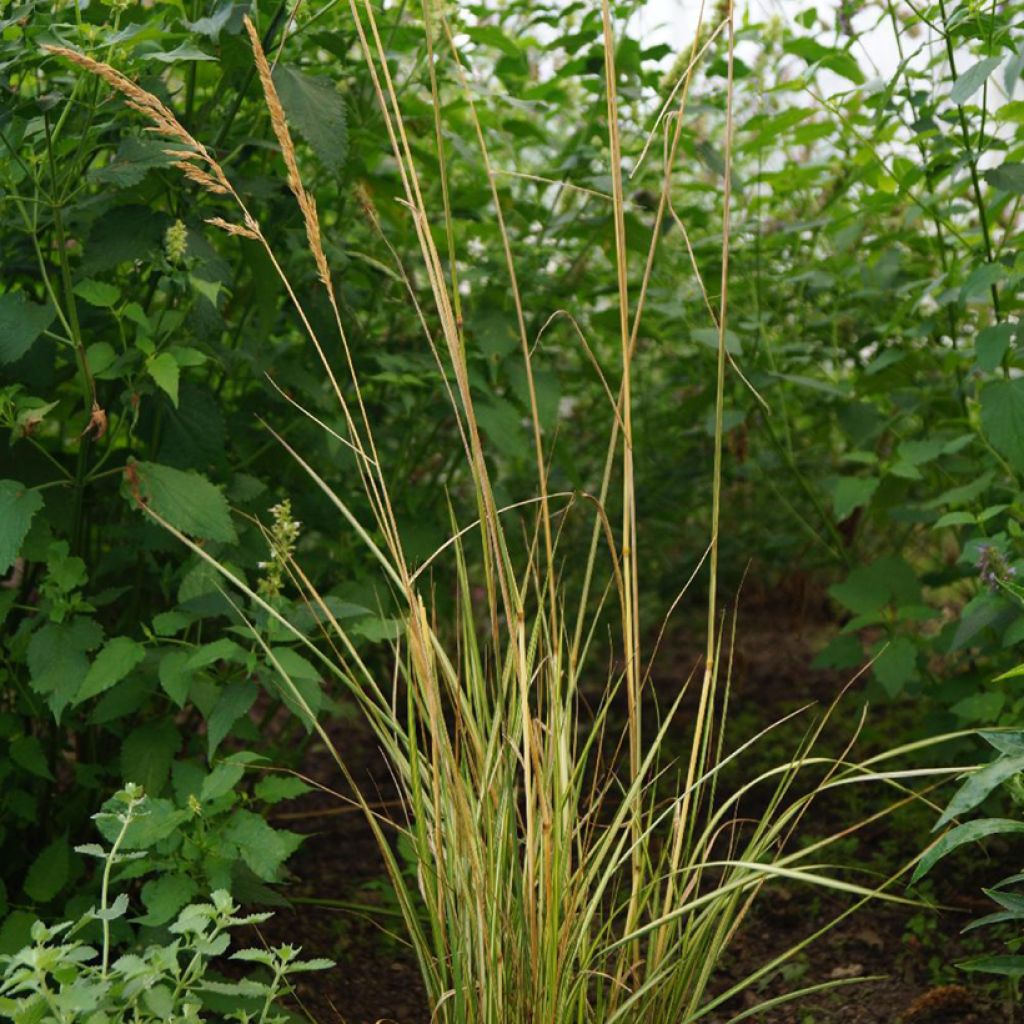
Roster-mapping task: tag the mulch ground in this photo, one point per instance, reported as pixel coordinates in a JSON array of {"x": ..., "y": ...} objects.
[{"x": 910, "y": 950}]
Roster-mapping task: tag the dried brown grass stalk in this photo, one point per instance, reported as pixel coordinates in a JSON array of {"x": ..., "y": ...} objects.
[
  {"x": 279, "y": 124},
  {"x": 163, "y": 121}
]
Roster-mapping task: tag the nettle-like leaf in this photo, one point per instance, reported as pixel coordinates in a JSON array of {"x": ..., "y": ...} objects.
[
  {"x": 163, "y": 897},
  {"x": 1007, "y": 176},
  {"x": 164, "y": 370},
  {"x": 851, "y": 493},
  {"x": 49, "y": 872},
  {"x": 18, "y": 505},
  {"x": 187, "y": 500},
  {"x": 118, "y": 657},
  {"x": 1002, "y": 419},
  {"x": 147, "y": 753},
  {"x": 233, "y": 702},
  {"x": 58, "y": 662},
  {"x": 264, "y": 849},
  {"x": 21, "y": 324},
  {"x": 316, "y": 109}
]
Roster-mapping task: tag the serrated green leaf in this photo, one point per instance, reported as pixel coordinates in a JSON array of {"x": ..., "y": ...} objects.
[
  {"x": 164, "y": 896},
  {"x": 187, "y": 500},
  {"x": 973, "y": 79},
  {"x": 21, "y": 324},
  {"x": 147, "y": 753},
  {"x": 896, "y": 665},
  {"x": 98, "y": 293},
  {"x": 27, "y": 752},
  {"x": 234, "y": 701},
  {"x": 850, "y": 493},
  {"x": 955, "y": 519},
  {"x": 182, "y": 52},
  {"x": 1002, "y": 419},
  {"x": 175, "y": 675},
  {"x": 57, "y": 659},
  {"x": 164, "y": 369},
  {"x": 221, "y": 780},
  {"x": 272, "y": 789},
  {"x": 117, "y": 658},
  {"x": 264, "y": 849},
  {"x": 18, "y": 505},
  {"x": 1008, "y": 176},
  {"x": 49, "y": 872},
  {"x": 315, "y": 108}
]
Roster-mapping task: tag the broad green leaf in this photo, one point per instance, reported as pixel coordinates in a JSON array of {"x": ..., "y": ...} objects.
[
  {"x": 146, "y": 754},
  {"x": 163, "y": 897},
  {"x": 272, "y": 789},
  {"x": 304, "y": 678},
  {"x": 98, "y": 293},
  {"x": 164, "y": 369},
  {"x": 842, "y": 652},
  {"x": 211, "y": 26},
  {"x": 161, "y": 819},
  {"x": 917, "y": 453},
  {"x": 491, "y": 35},
  {"x": 18, "y": 505},
  {"x": 118, "y": 657},
  {"x": 187, "y": 500},
  {"x": 316, "y": 109},
  {"x": 57, "y": 659},
  {"x": 980, "y": 707},
  {"x": 234, "y": 701},
  {"x": 840, "y": 61},
  {"x": 170, "y": 623},
  {"x": 973, "y": 79},
  {"x": 224, "y": 649},
  {"x": 708, "y": 337},
  {"x": 101, "y": 355},
  {"x": 175, "y": 675},
  {"x": 185, "y": 51},
  {"x": 49, "y": 871},
  {"x": 991, "y": 345},
  {"x": 221, "y": 780},
  {"x": 850, "y": 493},
  {"x": 504, "y": 427},
  {"x": 869, "y": 588},
  {"x": 896, "y": 665},
  {"x": 980, "y": 784},
  {"x": 263, "y": 848},
  {"x": 968, "y": 832},
  {"x": 1002, "y": 419},
  {"x": 981, "y": 279},
  {"x": 1009, "y": 177},
  {"x": 955, "y": 519},
  {"x": 21, "y": 323},
  {"x": 27, "y": 752}
]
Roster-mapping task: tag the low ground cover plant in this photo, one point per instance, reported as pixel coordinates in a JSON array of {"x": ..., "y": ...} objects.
[{"x": 62, "y": 978}]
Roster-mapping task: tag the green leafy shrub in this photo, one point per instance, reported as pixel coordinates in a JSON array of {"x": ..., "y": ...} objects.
[
  {"x": 1002, "y": 775},
  {"x": 63, "y": 978}
]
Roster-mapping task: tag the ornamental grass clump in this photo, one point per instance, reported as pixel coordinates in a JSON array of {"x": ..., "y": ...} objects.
[{"x": 565, "y": 871}]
